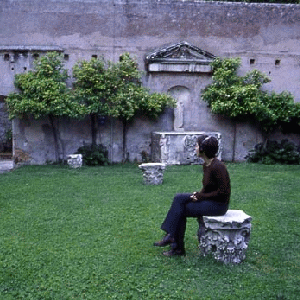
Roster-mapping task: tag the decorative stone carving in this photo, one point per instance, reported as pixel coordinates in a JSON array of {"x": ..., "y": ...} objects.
[
  {"x": 153, "y": 173},
  {"x": 178, "y": 117},
  {"x": 189, "y": 147},
  {"x": 183, "y": 102},
  {"x": 164, "y": 148},
  {"x": 180, "y": 57},
  {"x": 74, "y": 160},
  {"x": 225, "y": 237},
  {"x": 178, "y": 148}
]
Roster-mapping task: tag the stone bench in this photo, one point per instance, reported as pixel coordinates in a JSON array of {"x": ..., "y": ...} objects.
[
  {"x": 153, "y": 173},
  {"x": 225, "y": 237}
]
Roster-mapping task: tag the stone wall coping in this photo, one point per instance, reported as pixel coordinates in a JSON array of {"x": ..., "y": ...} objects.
[
  {"x": 184, "y": 132},
  {"x": 74, "y": 155},
  {"x": 232, "y": 216},
  {"x": 152, "y": 165},
  {"x": 30, "y": 48}
]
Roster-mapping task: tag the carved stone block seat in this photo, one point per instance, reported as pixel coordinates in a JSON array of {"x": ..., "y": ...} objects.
[
  {"x": 225, "y": 237},
  {"x": 74, "y": 160},
  {"x": 153, "y": 173}
]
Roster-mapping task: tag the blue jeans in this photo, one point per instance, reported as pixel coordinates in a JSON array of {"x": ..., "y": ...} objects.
[{"x": 183, "y": 207}]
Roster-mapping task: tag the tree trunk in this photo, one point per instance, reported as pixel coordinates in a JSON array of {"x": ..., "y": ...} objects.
[
  {"x": 125, "y": 153},
  {"x": 55, "y": 137},
  {"x": 94, "y": 128},
  {"x": 234, "y": 140},
  {"x": 265, "y": 136}
]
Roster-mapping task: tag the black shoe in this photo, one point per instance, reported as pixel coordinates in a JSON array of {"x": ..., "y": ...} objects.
[
  {"x": 174, "y": 252},
  {"x": 165, "y": 241}
]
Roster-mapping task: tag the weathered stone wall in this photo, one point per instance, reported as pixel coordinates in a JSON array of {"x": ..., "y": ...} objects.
[{"x": 265, "y": 36}]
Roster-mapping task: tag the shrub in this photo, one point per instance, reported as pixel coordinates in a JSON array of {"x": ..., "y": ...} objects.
[
  {"x": 273, "y": 152},
  {"x": 6, "y": 141},
  {"x": 145, "y": 157},
  {"x": 94, "y": 155}
]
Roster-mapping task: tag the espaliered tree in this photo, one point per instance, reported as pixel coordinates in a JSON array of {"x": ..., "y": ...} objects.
[
  {"x": 117, "y": 91},
  {"x": 91, "y": 89},
  {"x": 128, "y": 98},
  {"x": 43, "y": 92},
  {"x": 242, "y": 98}
]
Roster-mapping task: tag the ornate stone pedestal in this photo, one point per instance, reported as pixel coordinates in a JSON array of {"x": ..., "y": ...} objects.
[
  {"x": 153, "y": 173},
  {"x": 226, "y": 237},
  {"x": 74, "y": 160}
]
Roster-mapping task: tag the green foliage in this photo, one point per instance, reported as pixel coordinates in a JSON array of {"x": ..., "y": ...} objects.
[
  {"x": 6, "y": 142},
  {"x": 242, "y": 97},
  {"x": 8, "y": 135},
  {"x": 43, "y": 91},
  {"x": 127, "y": 95},
  {"x": 273, "y": 152},
  {"x": 293, "y": 125},
  {"x": 145, "y": 157},
  {"x": 230, "y": 94},
  {"x": 275, "y": 110},
  {"x": 94, "y": 155},
  {"x": 90, "y": 85},
  {"x": 115, "y": 89}
]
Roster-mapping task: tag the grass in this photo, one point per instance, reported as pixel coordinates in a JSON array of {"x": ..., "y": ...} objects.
[{"x": 88, "y": 234}]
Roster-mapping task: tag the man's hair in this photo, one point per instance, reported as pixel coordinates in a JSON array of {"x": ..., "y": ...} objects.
[{"x": 209, "y": 145}]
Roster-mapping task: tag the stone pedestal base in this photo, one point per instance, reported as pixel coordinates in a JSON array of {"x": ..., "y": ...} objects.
[
  {"x": 74, "y": 160},
  {"x": 153, "y": 173},
  {"x": 226, "y": 237}
]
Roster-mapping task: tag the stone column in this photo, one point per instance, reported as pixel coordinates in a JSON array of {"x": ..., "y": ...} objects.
[
  {"x": 226, "y": 237},
  {"x": 153, "y": 173}
]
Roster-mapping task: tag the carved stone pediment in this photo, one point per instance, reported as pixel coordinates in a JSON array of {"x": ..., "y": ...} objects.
[{"x": 180, "y": 57}]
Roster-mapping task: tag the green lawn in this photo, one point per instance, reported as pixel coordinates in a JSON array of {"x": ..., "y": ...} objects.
[{"x": 88, "y": 234}]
